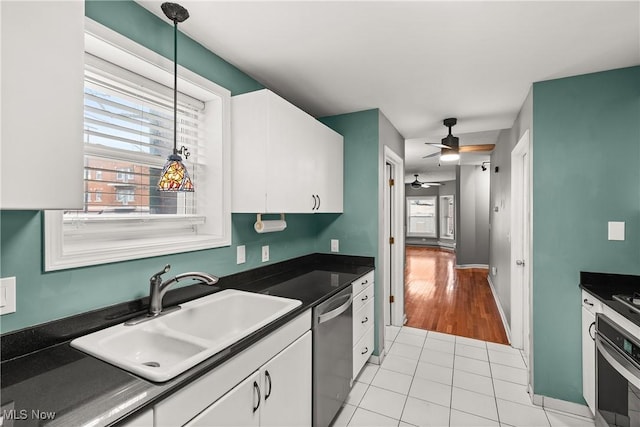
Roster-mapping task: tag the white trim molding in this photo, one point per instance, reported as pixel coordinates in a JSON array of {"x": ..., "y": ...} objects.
[
  {"x": 562, "y": 406},
  {"x": 466, "y": 266},
  {"x": 507, "y": 330},
  {"x": 109, "y": 241}
]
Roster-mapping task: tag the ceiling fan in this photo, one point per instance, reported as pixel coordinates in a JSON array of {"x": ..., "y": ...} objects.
[
  {"x": 419, "y": 184},
  {"x": 450, "y": 148}
]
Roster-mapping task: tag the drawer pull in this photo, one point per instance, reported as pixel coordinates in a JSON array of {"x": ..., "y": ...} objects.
[
  {"x": 256, "y": 388},
  {"x": 586, "y": 301},
  {"x": 267, "y": 376},
  {"x": 365, "y": 282},
  {"x": 366, "y": 319},
  {"x": 366, "y": 297},
  {"x": 366, "y": 350}
]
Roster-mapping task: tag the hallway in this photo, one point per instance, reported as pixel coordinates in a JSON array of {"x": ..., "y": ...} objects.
[{"x": 441, "y": 298}]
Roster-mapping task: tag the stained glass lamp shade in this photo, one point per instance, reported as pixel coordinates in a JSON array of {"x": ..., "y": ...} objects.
[{"x": 174, "y": 174}]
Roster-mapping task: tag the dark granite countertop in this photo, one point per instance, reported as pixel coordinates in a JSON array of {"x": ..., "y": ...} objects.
[
  {"x": 47, "y": 382},
  {"x": 604, "y": 286}
]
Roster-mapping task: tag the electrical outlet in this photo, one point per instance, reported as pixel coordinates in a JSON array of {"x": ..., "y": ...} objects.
[
  {"x": 241, "y": 257},
  {"x": 265, "y": 253},
  {"x": 335, "y": 245}
]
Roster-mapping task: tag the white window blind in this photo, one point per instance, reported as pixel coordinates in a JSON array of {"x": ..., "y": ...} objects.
[{"x": 128, "y": 134}]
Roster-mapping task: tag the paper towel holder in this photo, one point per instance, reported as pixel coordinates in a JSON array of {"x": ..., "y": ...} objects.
[{"x": 269, "y": 226}]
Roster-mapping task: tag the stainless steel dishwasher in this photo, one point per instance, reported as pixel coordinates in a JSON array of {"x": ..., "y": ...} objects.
[{"x": 332, "y": 356}]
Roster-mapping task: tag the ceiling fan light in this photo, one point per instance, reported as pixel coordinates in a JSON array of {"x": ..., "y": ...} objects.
[{"x": 449, "y": 155}]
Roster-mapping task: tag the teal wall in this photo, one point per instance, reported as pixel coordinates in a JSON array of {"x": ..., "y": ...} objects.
[
  {"x": 586, "y": 172},
  {"x": 43, "y": 297},
  {"x": 142, "y": 26},
  {"x": 357, "y": 227}
]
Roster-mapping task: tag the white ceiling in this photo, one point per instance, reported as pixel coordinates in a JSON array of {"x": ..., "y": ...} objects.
[{"x": 419, "y": 62}]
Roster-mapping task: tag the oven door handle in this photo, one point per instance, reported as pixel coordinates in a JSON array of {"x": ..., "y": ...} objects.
[
  {"x": 325, "y": 317},
  {"x": 618, "y": 362}
]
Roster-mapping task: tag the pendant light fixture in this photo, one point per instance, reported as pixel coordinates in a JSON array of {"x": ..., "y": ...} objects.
[{"x": 174, "y": 174}]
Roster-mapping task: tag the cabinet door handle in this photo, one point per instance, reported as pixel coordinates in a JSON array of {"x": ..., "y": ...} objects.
[
  {"x": 366, "y": 350},
  {"x": 315, "y": 202},
  {"x": 256, "y": 388},
  {"x": 365, "y": 282},
  {"x": 591, "y": 326},
  {"x": 318, "y": 201},
  {"x": 268, "y": 392},
  {"x": 366, "y": 319},
  {"x": 586, "y": 301},
  {"x": 366, "y": 297}
]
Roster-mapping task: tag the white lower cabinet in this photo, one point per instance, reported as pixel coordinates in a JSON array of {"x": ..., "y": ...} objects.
[
  {"x": 268, "y": 384},
  {"x": 239, "y": 407},
  {"x": 286, "y": 386},
  {"x": 278, "y": 394},
  {"x": 590, "y": 306},
  {"x": 363, "y": 321}
]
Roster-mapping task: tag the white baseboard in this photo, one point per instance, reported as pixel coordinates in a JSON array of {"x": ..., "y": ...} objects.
[
  {"x": 377, "y": 360},
  {"x": 562, "y": 406},
  {"x": 464, "y": 266},
  {"x": 502, "y": 315}
]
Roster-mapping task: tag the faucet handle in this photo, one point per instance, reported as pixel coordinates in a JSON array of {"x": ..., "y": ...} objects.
[{"x": 160, "y": 273}]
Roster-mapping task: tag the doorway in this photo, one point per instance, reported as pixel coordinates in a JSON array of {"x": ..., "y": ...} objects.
[
  {"x": 392, "y": 239},
  {"x": 521, "y": 225}
]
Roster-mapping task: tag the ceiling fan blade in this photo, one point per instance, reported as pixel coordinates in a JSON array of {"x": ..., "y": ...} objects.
[
  {"x": 437, "y": 144},
  {"x": 431, "y": 155},
  {"x": 475, "y": 148},
  {"x": 432, "y": 183}
]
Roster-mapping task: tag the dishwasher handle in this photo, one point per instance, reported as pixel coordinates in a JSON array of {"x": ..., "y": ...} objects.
[{"x": 325, "y": 317}]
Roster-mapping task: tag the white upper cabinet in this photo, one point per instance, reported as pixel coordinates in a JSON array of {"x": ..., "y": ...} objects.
[
  {"x": 42, "y": 104},
  {"x": 284, "y": 160}
]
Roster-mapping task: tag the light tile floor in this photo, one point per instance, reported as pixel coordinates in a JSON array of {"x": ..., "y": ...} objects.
[{"x": 434, "y": 379}]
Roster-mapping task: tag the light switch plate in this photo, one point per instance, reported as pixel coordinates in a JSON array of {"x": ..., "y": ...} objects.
[
  {"x": 616, "y": 230},
  {"x": 335, "y": 245},
  {"x": 265, "y": 253},
  {"x": 241, "y": 256},
  {"x": 7, "y": 295}
]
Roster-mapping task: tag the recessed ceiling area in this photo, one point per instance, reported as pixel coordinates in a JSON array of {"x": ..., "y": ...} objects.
[{"x": 417, "y": 61}]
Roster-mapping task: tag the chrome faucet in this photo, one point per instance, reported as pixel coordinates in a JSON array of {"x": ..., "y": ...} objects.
[{"x": 157, "y": 289}]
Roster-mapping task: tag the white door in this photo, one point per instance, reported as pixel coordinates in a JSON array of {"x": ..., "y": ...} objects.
[
  {"x": 588, "y": 358},
  {"x": 290, "y": 173},
  {"x": 329, "y": 179},
  {"x": 239, "y": 407},
  {"x": 286, "y": 385},
  {"x": 388, "y": 232},
  {"x": 520, "y": 247}
]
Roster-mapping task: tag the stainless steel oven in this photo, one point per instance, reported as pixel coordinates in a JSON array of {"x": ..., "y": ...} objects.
[{"x": 617, "y": 375}]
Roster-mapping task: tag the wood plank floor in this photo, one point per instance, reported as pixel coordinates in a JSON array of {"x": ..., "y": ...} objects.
[{"x": 441, "y": 298}]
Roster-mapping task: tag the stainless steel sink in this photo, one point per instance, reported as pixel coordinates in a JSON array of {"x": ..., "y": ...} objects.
[{"x": 164, "y": 347}]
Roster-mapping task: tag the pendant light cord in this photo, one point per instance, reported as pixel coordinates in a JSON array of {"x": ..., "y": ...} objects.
[{"x": 175, "y": 87}]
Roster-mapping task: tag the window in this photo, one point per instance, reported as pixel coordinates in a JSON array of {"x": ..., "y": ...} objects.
[
  {"x": 421, "y": 216},
  {"x": 447, "y": 217},
  {"x": 127, "y": 138}
]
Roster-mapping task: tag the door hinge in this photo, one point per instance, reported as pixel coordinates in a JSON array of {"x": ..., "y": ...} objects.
[
  {"x": 392, "y": 298},
  {"x": 391, "y": 240},
  {"x": 392, "y": 182}
]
